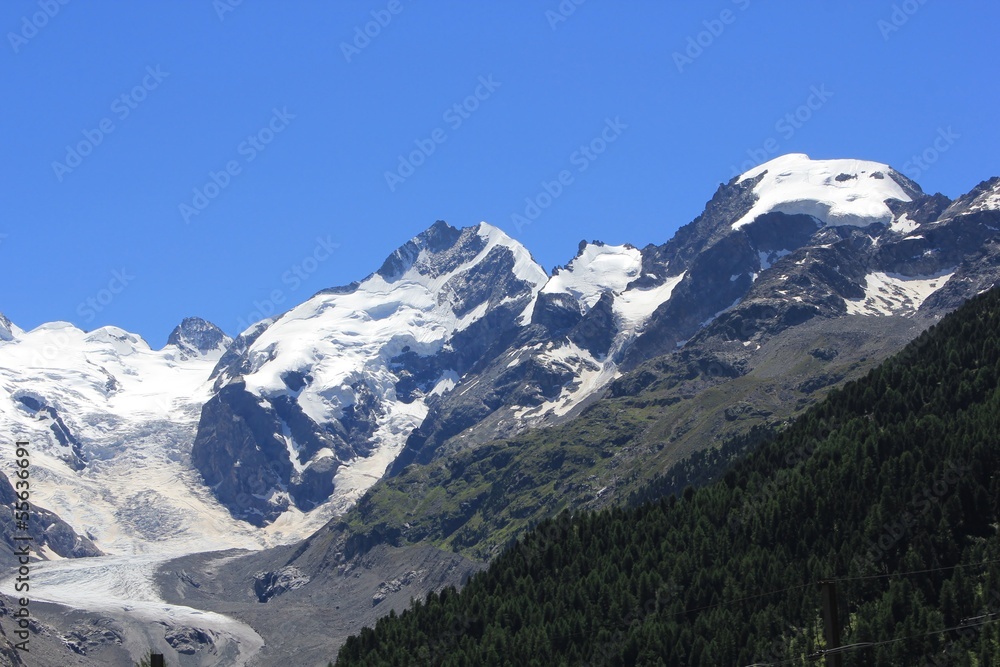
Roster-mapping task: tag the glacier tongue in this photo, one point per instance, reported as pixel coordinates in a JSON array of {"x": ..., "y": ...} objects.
[{"x": 124, "y": 588}]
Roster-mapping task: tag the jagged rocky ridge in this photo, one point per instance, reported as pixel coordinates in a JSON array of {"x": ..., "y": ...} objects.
[{"x": 461, "y": 338}]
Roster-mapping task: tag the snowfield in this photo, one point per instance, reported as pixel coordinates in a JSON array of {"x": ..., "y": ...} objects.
[
  {"x": 891, "y": 294},
  {"x": 835, "y": 192}
]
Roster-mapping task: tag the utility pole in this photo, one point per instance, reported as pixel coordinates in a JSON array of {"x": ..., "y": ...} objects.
[{"x": 831, "y": 623}]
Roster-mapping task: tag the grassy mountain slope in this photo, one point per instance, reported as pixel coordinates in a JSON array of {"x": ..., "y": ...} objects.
[
  {"x": 476, "y": 500},
  {"x": 890, "y": 485}
]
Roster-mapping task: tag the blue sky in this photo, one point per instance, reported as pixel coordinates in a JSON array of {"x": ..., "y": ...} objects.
[{"x": 209, "y": 158}]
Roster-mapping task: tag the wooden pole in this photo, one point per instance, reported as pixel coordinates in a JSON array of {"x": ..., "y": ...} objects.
[{"x": 831, "y": 623}]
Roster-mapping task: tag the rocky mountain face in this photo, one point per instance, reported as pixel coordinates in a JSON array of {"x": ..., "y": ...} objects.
[
  {"x": 461, "y": 338},
  {"x": 196, "y": 337},
  {"x": 323, "y": 397},
  {"x": 789, "y": 242}
]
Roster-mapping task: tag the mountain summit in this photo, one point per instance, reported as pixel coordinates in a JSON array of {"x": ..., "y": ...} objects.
[
  {"x": 197, "y": 336},
  {"x": 346, "y": 376}
]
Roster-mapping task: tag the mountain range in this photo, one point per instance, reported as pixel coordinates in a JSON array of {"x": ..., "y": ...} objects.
[{"x": 396, "y": 433}]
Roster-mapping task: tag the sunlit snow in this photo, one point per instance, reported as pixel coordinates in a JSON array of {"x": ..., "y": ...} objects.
[
  {"x": 835, "y": 192},
  {"x": 893, "y": 294}
]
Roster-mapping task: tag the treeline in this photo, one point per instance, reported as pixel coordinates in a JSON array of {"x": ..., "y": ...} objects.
[
  {"x": 702, "y": 467},
  {"x": 889, "y": 486}
]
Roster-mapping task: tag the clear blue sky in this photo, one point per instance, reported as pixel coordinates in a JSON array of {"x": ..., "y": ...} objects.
[{"x": 310, "y": 127}]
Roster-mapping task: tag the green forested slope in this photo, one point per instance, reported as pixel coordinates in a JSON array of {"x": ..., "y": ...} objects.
[{"x": 890, "y": 486}]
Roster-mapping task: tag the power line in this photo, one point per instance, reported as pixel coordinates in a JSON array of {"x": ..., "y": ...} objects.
[
  {"x": 984, "y": 619},
  {"x": 927, "y": 571},
  {"x": 863, "y": 645}
]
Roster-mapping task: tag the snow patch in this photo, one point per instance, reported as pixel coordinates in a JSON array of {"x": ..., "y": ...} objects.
[
  {"x": 988, "y": 201},
  {"x": 768, "y": 258},
  {"x": 894, "y": 294},
  {"x": 635, "y": 306},
  {"x": 903, "y": 224},
  {"x": 591, "y": 375},
  {"x": 445, "y": 383}
]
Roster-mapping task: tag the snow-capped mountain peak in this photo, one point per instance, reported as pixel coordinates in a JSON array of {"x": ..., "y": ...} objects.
[
  {"x": 525, "y": 266},
  {"x": 349, "y": 372},
  {"x": 835, "y": 192},
  {"x": 199, "y": 337},
  {"x": 443, "y": 249}
]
